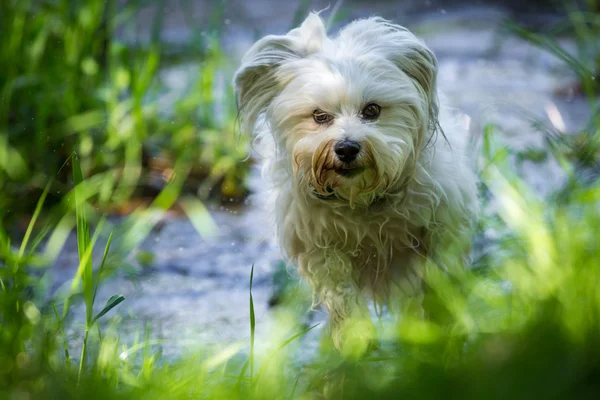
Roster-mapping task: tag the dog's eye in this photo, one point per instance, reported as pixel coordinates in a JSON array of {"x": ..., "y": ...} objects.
[
  {"x": 321, "y": 117},
  {"x": 371, "y": 111}
]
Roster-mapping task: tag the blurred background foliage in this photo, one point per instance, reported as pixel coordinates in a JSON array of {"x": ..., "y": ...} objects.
[
  {"x": 87, "y": 129},
  {"x": 68, "y": 84}
]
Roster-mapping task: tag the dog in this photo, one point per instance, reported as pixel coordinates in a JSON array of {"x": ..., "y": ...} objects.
[{"x": 368, "y": 174}]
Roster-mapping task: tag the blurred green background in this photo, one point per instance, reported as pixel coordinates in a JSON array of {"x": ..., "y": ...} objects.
[
  {"x": 70, "y": 85},
  {"x": 118, "y": 128}
]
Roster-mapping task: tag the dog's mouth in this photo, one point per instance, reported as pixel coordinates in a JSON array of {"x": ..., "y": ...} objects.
[{"x": 349, "y": 172}]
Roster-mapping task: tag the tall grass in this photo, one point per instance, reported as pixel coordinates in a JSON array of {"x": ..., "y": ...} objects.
[
  {"x": 525, "y": 326},
  {"x": 68, "y": 84}
]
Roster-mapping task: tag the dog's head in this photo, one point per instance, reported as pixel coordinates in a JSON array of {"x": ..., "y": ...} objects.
[{"x": 350, "y": 113}]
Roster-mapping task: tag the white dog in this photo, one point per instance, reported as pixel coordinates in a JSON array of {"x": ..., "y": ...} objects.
[{"x": 367, "y": 180}]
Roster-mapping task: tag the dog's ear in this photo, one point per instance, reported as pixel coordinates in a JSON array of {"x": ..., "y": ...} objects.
[
  {"x": 400, "y": 46},
  {"x": 256, "y": 83}
]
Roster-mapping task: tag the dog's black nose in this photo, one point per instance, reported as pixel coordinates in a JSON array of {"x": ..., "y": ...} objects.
[{"x": 347, "y": 150}]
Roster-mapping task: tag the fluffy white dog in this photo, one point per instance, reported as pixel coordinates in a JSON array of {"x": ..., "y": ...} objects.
[{"x": 368, "y": 180}]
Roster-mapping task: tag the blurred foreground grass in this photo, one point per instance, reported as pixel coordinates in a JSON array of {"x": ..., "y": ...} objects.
[{"x": 524, "y": 324}]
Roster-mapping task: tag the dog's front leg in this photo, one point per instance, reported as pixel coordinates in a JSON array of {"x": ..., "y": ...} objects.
[{"x": 335, "y": 286}]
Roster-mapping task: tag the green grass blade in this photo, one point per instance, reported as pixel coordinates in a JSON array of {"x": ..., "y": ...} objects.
[
  {"x": 85, "y": 260},
  {"x": 40, "y": 237},
  {"x": 38, "y": 209},
  {"x": 296, "y": 336},
  {"x": 83, "y": 239},
  {"x": 87, "y": 256},
  {"x": 83, "y": 355},
  {"x": 295, "y": 387},
  {"x": 282, "y": 346},
  {"x": 62, "y": 330},
  {"x": 240, "y": 377},
  {"x": 252, "y": 325},
  {"x": 102, "y": 264},
  {"x": 58, "y": 238},
  {"x": 551, "y": 46},
  {"x": 110, "y": 304},
  {"x": 199, "y": 217}
]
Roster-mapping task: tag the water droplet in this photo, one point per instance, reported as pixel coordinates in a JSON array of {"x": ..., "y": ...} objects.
[
  {"x": 227, "y": 21},
  {"x": 443, "y": 11}
]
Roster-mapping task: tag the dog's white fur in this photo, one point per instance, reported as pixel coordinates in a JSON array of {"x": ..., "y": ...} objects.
[{"x": 353, "y": 237}]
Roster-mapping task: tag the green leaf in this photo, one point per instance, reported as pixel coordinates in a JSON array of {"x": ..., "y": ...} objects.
[{"x": 110, "y": 304}]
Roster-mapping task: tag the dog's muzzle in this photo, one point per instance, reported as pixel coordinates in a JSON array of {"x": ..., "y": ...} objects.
[{"x": 347, "y": 152}]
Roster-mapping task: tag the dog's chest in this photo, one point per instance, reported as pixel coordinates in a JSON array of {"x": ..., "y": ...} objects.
[
  {"x": 387, "y": 243},
  {"x": 370, "y": 239}
]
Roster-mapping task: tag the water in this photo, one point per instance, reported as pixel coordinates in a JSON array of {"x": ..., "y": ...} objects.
[{"x": 196, "y": 290}]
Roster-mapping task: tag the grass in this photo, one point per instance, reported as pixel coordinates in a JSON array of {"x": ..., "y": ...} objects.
[
  {"x": 69, "y": 84},
  {"x": 524, "y": 324}
]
